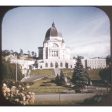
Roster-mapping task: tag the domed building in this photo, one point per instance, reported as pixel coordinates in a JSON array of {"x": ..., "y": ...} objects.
[{"x": 54, "y": 53}]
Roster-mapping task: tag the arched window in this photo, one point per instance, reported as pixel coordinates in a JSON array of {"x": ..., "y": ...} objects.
[
  {"x": 66, "y": 65},
  {"x": 40, "y": 67},
  {"x": 46, "y": 65},
  {"x": 56, "y": 65},
  {"x": 56, "y": 53},
  {"x": 51, "y": 64},
  {"x": 55, "y": 45},
  {"x": 61, "y": 64}
]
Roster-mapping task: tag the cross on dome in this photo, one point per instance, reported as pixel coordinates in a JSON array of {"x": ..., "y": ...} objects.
[{"x": 53, "y": 25}]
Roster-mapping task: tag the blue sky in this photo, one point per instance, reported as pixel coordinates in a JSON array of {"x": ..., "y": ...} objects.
[{"x": 84, "y": 29}]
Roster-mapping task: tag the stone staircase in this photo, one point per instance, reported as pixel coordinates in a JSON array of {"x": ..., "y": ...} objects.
[{"x": 32, "y": 78}]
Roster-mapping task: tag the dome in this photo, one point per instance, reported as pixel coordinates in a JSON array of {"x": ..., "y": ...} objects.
[{"x": 52, "y": 32}]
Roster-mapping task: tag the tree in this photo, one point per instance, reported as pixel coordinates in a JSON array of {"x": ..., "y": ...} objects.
[
  {"x": 80, "y": 76},
  {"x": 29, "y": 55},
  {"x": 35, "y": 54},
  {"x": 32, "y": 53},
  {"x": 11, "y": 51},
  {"x": 21, "y": 52},
  {"x": 105, "y": 75},
  {"x": 9, "y": 71},
  {"x": 36, "y": 64},
  {"x": 108, "y": 61},
  {"x": 5, "y": 53},
  {"x": 57, "y": 79},
  {"x": 60, "y": 79}
]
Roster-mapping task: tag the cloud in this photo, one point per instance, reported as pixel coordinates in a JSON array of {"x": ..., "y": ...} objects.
[
  {"x": 92, "y": 50},
  {"x": 92, "y": 39},
  {"x": 84, "y": 32}
]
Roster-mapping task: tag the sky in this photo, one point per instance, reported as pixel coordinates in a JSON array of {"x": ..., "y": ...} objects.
[{"x": 85, "y": 29}]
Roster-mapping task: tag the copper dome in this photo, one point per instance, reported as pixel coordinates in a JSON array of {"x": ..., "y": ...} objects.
[{"x": 52, "y": 32}]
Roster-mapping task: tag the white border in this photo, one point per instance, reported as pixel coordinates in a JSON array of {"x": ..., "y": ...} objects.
[
  {"x": 56, "y": 2},
  {"x": 56, "y": 109},
  {"x": 53, "y": 3}
]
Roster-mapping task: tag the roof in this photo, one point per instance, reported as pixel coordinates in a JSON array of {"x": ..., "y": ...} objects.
[{"x": 52, "y": 32}]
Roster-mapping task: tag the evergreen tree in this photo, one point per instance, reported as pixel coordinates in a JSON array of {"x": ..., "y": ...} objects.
[
  {"x": 57, "y": 79},
  {"x": 32, "y": 53},
  {"x": 80, "y": 76},
  {"x": 21, "y": 52},
  {"x": 35, "y": 54},
  {"x": 29, "y": 54},
  {"x": 108, "y": 61},
  {"x": 36, "y": 64},
  {"x": 60, "y": 79},
  {"x": 5, "y": 53}
]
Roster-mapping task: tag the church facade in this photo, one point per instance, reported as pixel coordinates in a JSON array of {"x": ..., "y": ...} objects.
[{"x": 53, "y": 53}]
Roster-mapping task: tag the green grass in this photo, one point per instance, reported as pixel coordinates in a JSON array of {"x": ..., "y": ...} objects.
[
  {"x": 50, "y": 72},
  {"x": 44, "y": 90},
  {"x": 94, "y": 74},
  {"x": 46, "y": 86},
  {"x": 68, "y": 72},
  {"x": 45, "y": 72}
]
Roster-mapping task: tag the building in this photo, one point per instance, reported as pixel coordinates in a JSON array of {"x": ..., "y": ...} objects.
[
  {"x": 94, "y": 63},
  {"x": 54, "y": 53},
  {"x": 23, "y": 61}
]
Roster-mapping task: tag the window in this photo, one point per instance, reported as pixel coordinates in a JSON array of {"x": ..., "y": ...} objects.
[
  {"x": 61, "y": 64},
  {"x": 56, "y": 65},
  {"x": 40, "y": 67},
  {"x": 51, "y": 64},
  {"x": 55, "y": 45},
  {"x": 46, "y": 65},
  {"x": 66, "y": 65}
]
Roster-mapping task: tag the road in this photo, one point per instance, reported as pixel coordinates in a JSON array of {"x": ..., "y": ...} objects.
[{"x": 64, "y": 97}]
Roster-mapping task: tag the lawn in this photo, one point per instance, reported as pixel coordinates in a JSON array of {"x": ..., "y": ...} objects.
[
  {"x": 50, "y": 72},
  {"x": 45, "y": 72},
  {"x": 94, "y": 74},
  {"x": 46, "y": 86}
]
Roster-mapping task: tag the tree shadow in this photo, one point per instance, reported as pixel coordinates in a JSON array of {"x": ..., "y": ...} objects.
[{"x": 105, "y": 75}]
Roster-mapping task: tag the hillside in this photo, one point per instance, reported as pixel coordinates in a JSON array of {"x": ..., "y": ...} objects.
[{"x": 94, "y": 74}]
